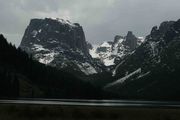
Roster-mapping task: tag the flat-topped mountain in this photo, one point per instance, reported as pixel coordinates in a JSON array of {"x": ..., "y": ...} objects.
[
  {"x": 59, "y": 43},
  {"x": 49, "y": 32}
]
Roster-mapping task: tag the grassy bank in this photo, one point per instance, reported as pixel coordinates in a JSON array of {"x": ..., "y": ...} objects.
[{"x": 55, "y": 112}]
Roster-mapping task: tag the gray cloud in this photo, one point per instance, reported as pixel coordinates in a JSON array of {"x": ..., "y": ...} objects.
[{"x": 101, "y": 19}]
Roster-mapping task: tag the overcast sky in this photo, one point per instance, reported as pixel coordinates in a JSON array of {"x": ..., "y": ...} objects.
[{"x": 101, "y": 19}]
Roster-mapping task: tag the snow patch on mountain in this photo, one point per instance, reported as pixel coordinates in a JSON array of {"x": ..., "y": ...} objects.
[
  {"x": 120, "y": 81},
  {"x": 143, "y": 75},
  {"x": 38, "y": 48},
  {"x": 109, "y": 62},
  {"x": 140, "y": 40},
  {"x": 114, "y": 71},
  {"x": 93, "y": 52},
  {"x": 105, "y": 44},
  {"x": 59, "y": 43},
  {"x": 87, "y": 68},
  {"x": 107, "y": 52},
  {"x": 47, "y": 58},
  {"x": 62, "y": 21}
]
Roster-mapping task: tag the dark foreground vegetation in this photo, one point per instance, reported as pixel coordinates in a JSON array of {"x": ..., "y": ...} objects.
[
  {"x": 23, "y": 77},
  {"x": 54, "y": 112}
]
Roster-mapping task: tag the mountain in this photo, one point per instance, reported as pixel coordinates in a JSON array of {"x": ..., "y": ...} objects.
[
  {"x": 23, "y": 77},
  {"x": 152, "y": 70},
  {"x": 142, "y": 69},
  {"x": 59, "y": 43},
  {"x": 113, "y": 51}
]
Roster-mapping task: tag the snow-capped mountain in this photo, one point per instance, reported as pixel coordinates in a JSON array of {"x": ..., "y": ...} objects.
[
  {"x": 59, "y": 43},
  {"x": 110, "y": 52},
  {"x": 153, "y": 68}
]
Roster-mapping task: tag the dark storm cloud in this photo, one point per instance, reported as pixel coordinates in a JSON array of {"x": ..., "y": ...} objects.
[{"x": 101, "y": 19}]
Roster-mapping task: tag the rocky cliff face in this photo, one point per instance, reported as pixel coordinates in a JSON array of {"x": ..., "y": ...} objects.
[
  {"x": 113, "y": 51},
  {"x": 149, "y": 53},
  {"x": 59, "y": 43},
  {"x": 50, "y": 32},
  {"x": 131, "y": 41},
  {"x": 152, "y": 70}
]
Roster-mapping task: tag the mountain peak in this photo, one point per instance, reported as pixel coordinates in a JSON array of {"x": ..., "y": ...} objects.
[
  {"x": 117, "y": 38},
  {"x": 62, "y": 21},
  {"x": 129, "y": 33},
  {"x": 54, "y": 31},
  {"x": 59, "y": 43},
  {"x": 131, "y": 40},
  {"x": 153, "y": 68},
  {"x": 110, "y": 52}
]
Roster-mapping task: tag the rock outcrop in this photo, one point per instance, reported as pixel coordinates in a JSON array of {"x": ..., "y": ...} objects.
[
  {"x": 59, "y": 43},
  {"x": 152, "y": 70},
  {"x": 131, "y": 41},
  {"x": 113, "y": 51}
]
